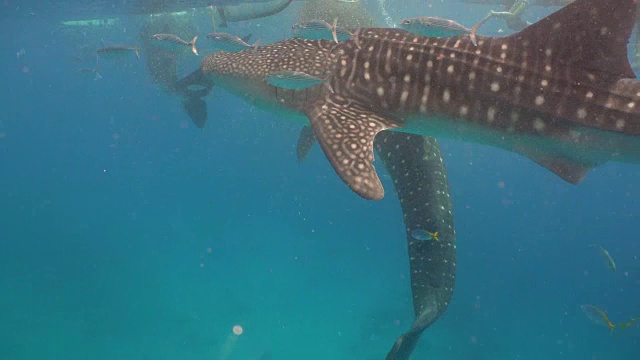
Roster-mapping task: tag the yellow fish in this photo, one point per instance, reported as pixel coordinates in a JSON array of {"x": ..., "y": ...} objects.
[
  {"x": 629, "y": 323},
  {"x": 598, "y": 316}
]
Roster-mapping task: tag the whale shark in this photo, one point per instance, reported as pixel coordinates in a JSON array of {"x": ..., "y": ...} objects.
[
  {"x": 560, "y": 92},
  {"x": 413, "y": 161},
  {"x": 419, "y": 177}
]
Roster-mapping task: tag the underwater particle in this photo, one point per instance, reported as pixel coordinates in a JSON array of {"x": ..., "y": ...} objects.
[{"x": 238, "y": 330}]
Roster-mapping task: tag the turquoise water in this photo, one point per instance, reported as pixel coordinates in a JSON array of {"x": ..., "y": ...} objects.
[{"x": 127, "y": 233}]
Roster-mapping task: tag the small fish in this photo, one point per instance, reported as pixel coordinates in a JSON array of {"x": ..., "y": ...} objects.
[
  {"x": 607, "y": 257},
  {"x": 320, "y": 30},
  {"x": 88, "y": 72},
  {"x": 117, "y": 51},
  {"x": 629, "y": 323},
  {"x": 173, "y": 42},
  {"x": 598, "y": 316},
  {"x": 424, "y": 235},
  {"x": 292, "y": 80},
  {"x": 513, "y": 16},
  {"x": 231, "y": 43},
  {"x": 20, "y": 53},
  {"x": 432, "y": 26}
]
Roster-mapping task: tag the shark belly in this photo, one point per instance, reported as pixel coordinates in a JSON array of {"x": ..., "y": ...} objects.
[
  {"x": 282, "y": 103},
  {"x": 578, "y": 144}
]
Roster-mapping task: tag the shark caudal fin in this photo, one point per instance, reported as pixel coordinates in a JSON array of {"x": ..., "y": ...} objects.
[
  {"x": 345, "y": 131},
  {"x": 585, "y": 36},
  {"x": 196, "y": 108},
  {"x": 193, "y": 88}
]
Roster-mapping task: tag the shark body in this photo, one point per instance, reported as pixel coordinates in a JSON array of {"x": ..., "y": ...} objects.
[
  {"x": 413, "y": 161},
  {"x": 561, "y": 92}
]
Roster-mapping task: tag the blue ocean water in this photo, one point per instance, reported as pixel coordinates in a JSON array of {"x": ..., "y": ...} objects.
[{"x": 127, "y": 233}]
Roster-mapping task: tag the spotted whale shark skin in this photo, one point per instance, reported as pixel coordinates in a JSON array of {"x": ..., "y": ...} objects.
[
  {"x": 561, "y": 92},
  {"x": 243, "y": 74},
  {"x": 420, "y": 180},
  {"x": 413, "y": 161}
]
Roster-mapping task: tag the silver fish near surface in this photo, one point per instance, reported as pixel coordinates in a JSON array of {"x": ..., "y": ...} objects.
[
  {"x": 117, "y": 51},
  {"x": 320, "y": 30},
  {"x": 231, "y": 43},
  {"x": 433, "y": 26},
  {"x": 173, "y": 42}
]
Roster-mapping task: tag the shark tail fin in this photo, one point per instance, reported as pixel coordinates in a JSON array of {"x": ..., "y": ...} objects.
[
  {"x": 194, "y": 49},
  {"x": 137, "y": 50},
  {"x": 587, "y": 35},
  {"x": 196, "y": 108}
]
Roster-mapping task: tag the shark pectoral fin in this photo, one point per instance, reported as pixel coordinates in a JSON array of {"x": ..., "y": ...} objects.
[
  {"x": 292, "y": 80},
  {"x": 346, "y": 132},
  {"x": 567, "y": 169},
  {"x": 246, "y": 38},
  {"x": 305, "y": 143}
]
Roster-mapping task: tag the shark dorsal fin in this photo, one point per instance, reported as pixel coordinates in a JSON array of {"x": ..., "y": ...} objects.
[
  {"x": 345, "y": 131},
  {"x": 587, "y": 35}
]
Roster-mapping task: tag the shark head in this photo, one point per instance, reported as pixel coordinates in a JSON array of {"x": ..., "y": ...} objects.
[{"x": 560, "y": 92}]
